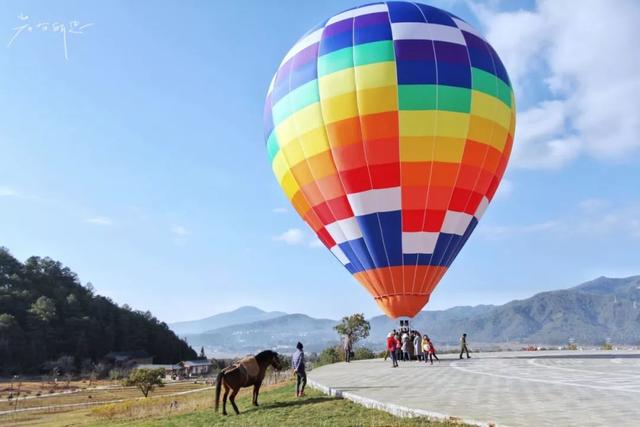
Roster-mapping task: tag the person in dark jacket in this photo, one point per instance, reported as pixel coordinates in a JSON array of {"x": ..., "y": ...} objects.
[
  {"x": 297, "y": 363},
  {"x": 463, "y": 346},
  {"x": 348, "y": 348}
]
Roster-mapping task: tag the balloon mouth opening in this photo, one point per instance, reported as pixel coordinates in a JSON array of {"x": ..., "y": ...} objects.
[{"x": 396, "y": 306}]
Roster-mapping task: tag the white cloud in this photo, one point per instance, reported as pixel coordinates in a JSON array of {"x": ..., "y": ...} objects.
[
  {"x": 593, "y": 218},
  {"x": 279, "y": 210},
  {"x": 621, "y": 221},
  {"x": 7, "y": 191},
  {"x": 542, "y": 141},
  {"x": 505, "y": 188},
  {"x": 180, "y": 231},
  {"x": 293, "y": 236},
  {"x": 516, "y": 36},
  {"x": 316, "y": 243},
  {"x": 585, "y": 54},
  {"x": 99, "y": 220}
]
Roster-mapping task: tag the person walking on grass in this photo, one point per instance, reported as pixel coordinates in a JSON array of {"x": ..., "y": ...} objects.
[
  {"x": 298, "y": 365},
  {"x": 391, "y": 349},
  {"x": 431, "y": 351},
  {"x": 463, "y": 346}
]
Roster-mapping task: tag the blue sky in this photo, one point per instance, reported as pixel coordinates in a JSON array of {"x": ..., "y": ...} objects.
[{"x": 139, "y": 159}]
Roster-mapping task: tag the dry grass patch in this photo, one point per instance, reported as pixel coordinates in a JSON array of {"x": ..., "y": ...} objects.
[{"x": 279, "y": 407}]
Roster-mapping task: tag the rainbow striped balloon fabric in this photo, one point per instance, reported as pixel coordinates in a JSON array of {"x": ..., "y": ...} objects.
[{"x": 389, "y": 127}]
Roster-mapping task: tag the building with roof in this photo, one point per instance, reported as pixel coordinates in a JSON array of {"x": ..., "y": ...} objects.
[
  {"x": 196, "y": 368},
  {"x": 171, "y": 372}
]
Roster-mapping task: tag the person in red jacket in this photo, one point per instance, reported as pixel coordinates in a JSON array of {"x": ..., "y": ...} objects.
[
  {"x": 391, "y": 348},
  {"x": 398, "y": 347}
]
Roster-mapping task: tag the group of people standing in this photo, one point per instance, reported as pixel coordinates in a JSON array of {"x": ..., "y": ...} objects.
[
  {"x": 402, "y": 345},
  {"x": 399, "y": 347}
]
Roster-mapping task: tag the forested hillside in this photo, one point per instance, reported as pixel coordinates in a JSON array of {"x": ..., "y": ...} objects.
[{"x": 46, "y": 313}]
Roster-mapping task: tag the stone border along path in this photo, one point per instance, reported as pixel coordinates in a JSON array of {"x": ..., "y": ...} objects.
[
  {"x": 506, "y": 388},
  {"x": 397, "y": 410}
]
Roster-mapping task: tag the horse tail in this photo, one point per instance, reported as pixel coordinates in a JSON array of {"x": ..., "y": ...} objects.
[{"x": 219, "y": 380}]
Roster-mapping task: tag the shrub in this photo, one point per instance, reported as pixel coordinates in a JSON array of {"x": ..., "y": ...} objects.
[
  {"x": 285, "y": 361},
  {"x": 117, "y": 374},
  {"x": 329, "y": 355},
  {"x": 363, "y": 353}
]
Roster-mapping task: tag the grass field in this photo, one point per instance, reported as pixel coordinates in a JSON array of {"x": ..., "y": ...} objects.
[
  {"x": 92, "y": 395},
  {"x": 278, "y": 407}
]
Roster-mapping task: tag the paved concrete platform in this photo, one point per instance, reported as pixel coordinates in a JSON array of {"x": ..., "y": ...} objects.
[{"x": 509, "y": 388}]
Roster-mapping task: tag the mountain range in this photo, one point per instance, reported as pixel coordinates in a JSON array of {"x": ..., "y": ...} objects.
[
  {"x": 236, "y": 317},
  {"x": 604, "y": 309}
]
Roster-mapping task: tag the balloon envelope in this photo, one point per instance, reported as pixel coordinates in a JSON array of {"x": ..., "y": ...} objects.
[{"x": 389, "y": 127}]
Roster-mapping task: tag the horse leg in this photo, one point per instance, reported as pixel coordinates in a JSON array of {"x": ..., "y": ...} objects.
[
  {"x": 256, "y": 390},
  {"x": 224, "y": 399},
  {"x": 232, "y": 399}
]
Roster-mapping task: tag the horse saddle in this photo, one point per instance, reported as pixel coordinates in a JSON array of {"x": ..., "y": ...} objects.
[{"x": 250, "y": 367}]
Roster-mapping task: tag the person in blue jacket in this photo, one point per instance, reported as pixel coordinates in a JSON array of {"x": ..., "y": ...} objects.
[{"x": 297, "y": 363}]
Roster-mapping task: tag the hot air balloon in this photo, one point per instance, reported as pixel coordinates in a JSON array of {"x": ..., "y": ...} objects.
[{"x": 389, "y": 127}]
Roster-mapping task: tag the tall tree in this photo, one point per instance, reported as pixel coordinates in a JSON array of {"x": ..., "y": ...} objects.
[
  {"x": 354, "y": 327},
  {"x": 146, "y": 379},
  {"x": 44, "y": 309}
]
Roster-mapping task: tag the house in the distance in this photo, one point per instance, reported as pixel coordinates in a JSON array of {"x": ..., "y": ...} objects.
[
  {"x": 171, "y": 372},
  {"x": 196, "y": 368}
]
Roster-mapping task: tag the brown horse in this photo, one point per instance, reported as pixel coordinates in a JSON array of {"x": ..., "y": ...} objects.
[{"x": 247, "y": 372}]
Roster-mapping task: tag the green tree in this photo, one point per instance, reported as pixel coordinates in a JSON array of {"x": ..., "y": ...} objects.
[
  {"x": 44, "y": 309},
  {"x": 11, "y": 343},
  {"x": 146, "y": 379},
  {"x": 329, "y": 355},
  {"x": 363, "y": 353},
  {"x": 72, "y": 299},
  {"x": 354, "y": 327}
]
